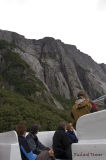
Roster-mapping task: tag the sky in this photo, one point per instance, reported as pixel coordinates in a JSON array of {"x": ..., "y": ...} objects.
[{"x": 78, "y": 22}]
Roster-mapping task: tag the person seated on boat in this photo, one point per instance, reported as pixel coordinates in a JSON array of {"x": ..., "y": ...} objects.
[
  {"x": 26, "y": 152},
  {"x": 35, "y": 145},
  {"x": 61, "y": 144},
  {"x": 71, "y": 133}
]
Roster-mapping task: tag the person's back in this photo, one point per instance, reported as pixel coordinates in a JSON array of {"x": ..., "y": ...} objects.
[
  {"x": 71, "y": 134},
  {"x": 81, "y": 107},
  {"x": 61, "y": 144},
  {"x": 35, "y": 145}
]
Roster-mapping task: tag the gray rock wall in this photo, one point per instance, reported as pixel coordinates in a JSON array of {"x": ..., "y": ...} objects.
[{"x": 63, "y": 68}]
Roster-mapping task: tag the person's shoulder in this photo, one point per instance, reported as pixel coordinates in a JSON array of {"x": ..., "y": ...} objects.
[
  {"x": 22, "y": 140},
  {"x": 75, "y": 105},
  {"x": 56, "y": 132},
  {"x": 29, "y": 135},
  {"x": 88, "y": 102},
  {"x": 68, "y": 133},
  {"x": 60, "y": 132}
]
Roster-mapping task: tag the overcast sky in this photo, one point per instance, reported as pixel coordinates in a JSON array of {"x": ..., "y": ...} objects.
[{"x": 78, "y": 22}]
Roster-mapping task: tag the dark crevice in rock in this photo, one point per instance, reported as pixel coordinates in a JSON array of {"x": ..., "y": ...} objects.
[
  {"x": 64, "y": 72},
  {"x": 44, "y": 72},
  {"x": 87, "y": 85},
  {"x": 103, "y": 66},
  {"x": 42, "y": 53}
]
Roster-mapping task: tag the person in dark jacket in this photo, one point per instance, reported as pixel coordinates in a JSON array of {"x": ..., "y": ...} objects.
[
  {"x": 71, "y": 134},
  {"x": 26, "y": 152},
  {"x": 61, "y": 144},
  {"x": 35, "y": 145}
]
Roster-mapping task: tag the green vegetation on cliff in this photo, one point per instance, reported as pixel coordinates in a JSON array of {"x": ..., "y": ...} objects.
[
  {"x": 67, "y": 103},
  {"x": 15, "y": 108},
  {"x": 23, "y": 97}
]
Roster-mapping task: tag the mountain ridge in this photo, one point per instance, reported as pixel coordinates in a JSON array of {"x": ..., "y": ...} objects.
[
  {"x": 40, "y": 79},
  {"x": 63, "y": 60}
]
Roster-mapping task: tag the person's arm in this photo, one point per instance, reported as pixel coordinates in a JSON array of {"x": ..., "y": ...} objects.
[
  {"x": 29, "y": 155},
  {"x": 42, "y": 147},
  {"x": 31, "y": 144},
  {"x": 75, "y": 140},
  {"x": 69, "y": 137},
  {"x": 27, "y": 152}
]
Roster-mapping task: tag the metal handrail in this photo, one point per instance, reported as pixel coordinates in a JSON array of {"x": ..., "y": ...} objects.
[{"x": 100, "y": 99}]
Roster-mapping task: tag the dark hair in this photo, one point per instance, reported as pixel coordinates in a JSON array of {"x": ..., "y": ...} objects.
[
  {"x": 81, "y": 93},
  {"x": 68, "y": 126},
  {"x": 35, "y": 128},
  {"x": 21, "y": 129},
  {"x": 62, "y": 125}
]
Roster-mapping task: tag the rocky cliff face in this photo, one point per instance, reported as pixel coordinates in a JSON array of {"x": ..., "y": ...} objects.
[{"x": 62, "y": 68}]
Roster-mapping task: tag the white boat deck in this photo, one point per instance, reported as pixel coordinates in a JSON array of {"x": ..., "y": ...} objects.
[
  {"x": 9, "y": 147},
  {"x": 91, "y": 132}
]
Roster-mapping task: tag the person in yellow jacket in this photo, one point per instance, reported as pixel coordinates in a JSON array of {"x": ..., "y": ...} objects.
[{"x": 81, "y": 107}]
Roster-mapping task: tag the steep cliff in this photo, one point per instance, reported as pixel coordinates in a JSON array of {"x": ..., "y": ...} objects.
[
  {"x": 46, "y": 71},
  {"x": 63, "y": 68}
]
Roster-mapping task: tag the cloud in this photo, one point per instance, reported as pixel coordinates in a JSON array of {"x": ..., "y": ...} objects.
[
  {"x": 102, "y": 4},
  {"x": 15, "y": 1}
]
